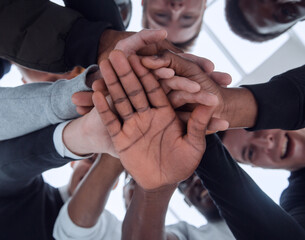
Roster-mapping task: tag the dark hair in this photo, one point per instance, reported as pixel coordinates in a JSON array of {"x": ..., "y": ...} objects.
[
  {"x": 240, "y": 26},
  {"x": 185, "y": 46}
]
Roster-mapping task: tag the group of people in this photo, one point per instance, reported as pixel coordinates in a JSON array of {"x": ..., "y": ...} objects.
[{"x": 134, "y": 103}]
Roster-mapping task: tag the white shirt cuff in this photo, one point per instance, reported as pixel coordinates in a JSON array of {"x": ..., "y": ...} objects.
[
  {"x": 64, "y": 192},
  {"x": 60, "y": 147}
]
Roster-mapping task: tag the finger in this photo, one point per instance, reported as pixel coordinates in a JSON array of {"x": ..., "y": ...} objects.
[
  {"x": 168, "y": 60},
  {"x": 217, "y": 124},
  {"x": 153, "y": 90},
  {"x": 214, "y": 126},
  {"x": 204, "y": 63},
  {"x": 164, "y": 73},
  {"x": 82, "y": 99},
  {"x": 99, "y": 85},
  {"x": 183, "y": 116},
  {"x": 181, "y": 66},
  {"x": 140, "y": 40},
  {"x": 165, "y": 87},
  {"x": 155, "y": 62},
  {"x": 120, "y": 100},
  {"x": 83, "y": 110},
  {"x": 221, "y": 78},
  {"x": 108, "y": 118},
  {"x": 182, "y": 83},
  {"x": 158, "y": 48},
  {"x": 130, "y": 82},
  {"x": 180, "y": 98},
  {"x": 197, "y": 125}
]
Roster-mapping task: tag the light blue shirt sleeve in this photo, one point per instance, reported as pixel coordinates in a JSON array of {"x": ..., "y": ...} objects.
[{"x": 34, "y": 106}]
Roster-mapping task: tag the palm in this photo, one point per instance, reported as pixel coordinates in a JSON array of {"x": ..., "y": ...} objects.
[{"x": 151, "y": 142}]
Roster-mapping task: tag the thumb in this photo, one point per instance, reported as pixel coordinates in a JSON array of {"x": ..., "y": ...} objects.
[
  {"x": 181, "y": 66},
  {"x": 197, "y": 125},
  {"x": 140, "y": 40},
  {"x": 206, "y": 64}
]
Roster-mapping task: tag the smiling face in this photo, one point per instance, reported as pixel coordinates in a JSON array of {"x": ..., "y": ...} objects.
[
  {"x": 277, "y": 149},
  {"x": 272, "y": 16},
  {"x": 180, "y": 18}
]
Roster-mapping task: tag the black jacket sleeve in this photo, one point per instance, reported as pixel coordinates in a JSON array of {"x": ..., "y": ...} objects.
[
  {"x": 45, "y": 36},
  {"x": 23, "y": 158},
  {"x": 281, "y": 101},
  {"x": 5, "y": 67},
  {"x": 248, "y": 211},
  {"x": 293, "y": 197},
  {"x": 96, "y": 10}
]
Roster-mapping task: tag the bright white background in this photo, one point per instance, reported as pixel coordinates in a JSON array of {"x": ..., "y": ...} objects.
[{"x": 248, "y": 55}]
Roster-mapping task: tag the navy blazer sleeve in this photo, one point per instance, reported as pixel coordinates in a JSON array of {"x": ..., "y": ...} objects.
[
  {"x": 293, "y": 197},
  {"x": 281, "y": 101},
  {"x": 24, "y": 158},
  {"x": 248, "y": 211},
  {"x": 5, "y": 67}
]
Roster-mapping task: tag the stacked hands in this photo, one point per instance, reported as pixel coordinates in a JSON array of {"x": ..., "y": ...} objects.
[{"x": 157, "y": 112}]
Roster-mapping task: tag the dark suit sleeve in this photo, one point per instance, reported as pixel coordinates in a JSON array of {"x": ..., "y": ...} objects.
[
  {"x": 96, "y": 10},
  {"x": 293, "y": 197},
  {"x": 23, "y": 158},
  {"x": 248, "y": 211},
  {"x": 5, "y": 67},
  {"x": 281, "y": 101},
  {"x": 45, "y": 36}
]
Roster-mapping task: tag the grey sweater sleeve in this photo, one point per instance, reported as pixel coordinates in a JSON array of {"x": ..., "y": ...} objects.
[{"x": 31, "y": 107}]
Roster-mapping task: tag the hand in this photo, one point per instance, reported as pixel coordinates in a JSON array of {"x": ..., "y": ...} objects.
[
  {"x": 189, "y": 69},
  {"x": 84, "y": 103},
  {"x": 83, "y": 100},
  {"x": 88, "y": 134},
  {"x": 145, "y": 42},
  {"x": 151, "y": 141}
]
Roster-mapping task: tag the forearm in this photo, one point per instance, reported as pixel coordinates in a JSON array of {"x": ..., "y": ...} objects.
[
  {"x": 31, "y": 107},
  {"x": 279, "y": 103},
  {"x": 145, "y": 217},
  {"x": 246, "y": 208},
  {"x": 240, "y": 108},
  {"x": 88, "y": 202}
]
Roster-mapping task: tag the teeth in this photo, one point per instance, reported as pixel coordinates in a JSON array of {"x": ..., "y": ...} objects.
[{"x": 284, "y": 147}]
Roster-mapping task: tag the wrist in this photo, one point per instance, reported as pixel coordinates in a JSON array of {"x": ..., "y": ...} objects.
[
  {"x": 157, "y": 193},
  {"x": 113, "y": 164},
  {"x": 74, "y": 137},
  {"x": 238, "y": 107}
]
